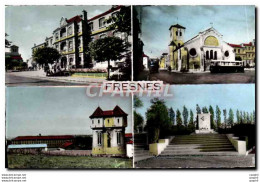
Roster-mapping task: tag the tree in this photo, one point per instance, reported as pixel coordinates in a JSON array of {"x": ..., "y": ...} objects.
[
  {"x": 138, "y": 120},
  {"x": 172, "y": 116},
  {"x": 46, "y": 55},
  {"x": 107, "y": 49},
  {"x": 205, "y": 110},
  {"x": 218, "y": 116},
  {"x": 225, "y": 117},
  {"x": 185, "y": 114},
  {"x": 212, "y": 122},
  {"x": 7, "y": 42},
  {"x": 231, "y": 117},
  {"x": 238, "y": 116},
  {"x": 121, "y": 20},
  {"x": 137, "y": 102},
  {"x": 178, "y": 118},
  {"x": 254, "y": 116},
  {"x": 247, "y": 118},
  {"x": 157, "y": 119},
  {"x": 244, "y": 117},
  {"x": 241, "y": 117},
  {"x": 198, "y": 109},
  {"x": 251, "y": 118}
]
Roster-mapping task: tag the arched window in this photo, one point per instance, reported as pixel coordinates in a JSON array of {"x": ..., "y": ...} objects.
[
  {"x": 180, "y": 33},
  {"x": 207, "y": 54},
  {"x": 211, "y": 54},
  {"x": 215, "y": 55},
  {"x": 177, "y": 32}
]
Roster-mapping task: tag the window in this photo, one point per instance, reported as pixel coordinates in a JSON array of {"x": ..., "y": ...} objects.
[
  {"x": 193, "y": 52},
  {"x": 108, "y": 121},
  {"x": 211, "y": 54},
  {"x": 177, "y": 32},
  {"x": 118, "y": 137},
  {"x": 99, "y": 138},
  {"x": 226, "y": 53},
  {"x": 101, "y": 22},
  {"x": 207, "y": 54},
  {"x": 70, "y": 45},
  {"x": 118, "y": 121},
  {"x": 92, "y": 121},
  {"x": 215, "y": 55},
  {"x": 98, "y": 121},
  {"x": 70, "y": 30},
  {"x": 238, "y": 50},
  {"x": 180, "y": 33},
  {"x": 57, "y": 36},
  {"x": 91, "y": 26}
]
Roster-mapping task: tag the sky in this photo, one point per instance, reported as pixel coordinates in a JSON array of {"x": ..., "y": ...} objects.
[
  {"x": 56, "y": 110},
  {"x": 226, "y": 96},
  {"x": 235, "y": 23},
  {"x": 29, "y": 25}
]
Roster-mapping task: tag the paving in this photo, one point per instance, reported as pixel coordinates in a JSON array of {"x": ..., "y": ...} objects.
[
  {"x": 199, "y": 78},
  {"x": 40, "y": 75}
]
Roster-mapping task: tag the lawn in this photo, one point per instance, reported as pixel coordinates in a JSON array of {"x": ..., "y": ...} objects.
[{"x": 17, "y": 161}]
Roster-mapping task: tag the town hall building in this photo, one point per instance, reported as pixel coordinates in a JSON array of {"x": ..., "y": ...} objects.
[
  {"x": 197, "y": 53},
  {"x": 108, "y": 131}
]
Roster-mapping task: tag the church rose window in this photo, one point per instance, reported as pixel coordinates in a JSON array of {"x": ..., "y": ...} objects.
[
  {"x": 193, "y": 52},
  {"x": 226, "y": 53}
]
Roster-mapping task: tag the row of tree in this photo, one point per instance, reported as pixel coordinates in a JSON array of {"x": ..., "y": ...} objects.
[{"x": 187, "y": 117}]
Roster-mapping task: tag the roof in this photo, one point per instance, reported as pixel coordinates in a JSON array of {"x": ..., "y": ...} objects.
[
  {"x": 27, "y": 146},
  {"x": 144, "y": 55},
  {"x": 249, "y": 44},
  {"x": 177, "y": 26},
  {"x": 117, "y": 111},
  {"x": 66, "y": 144},
  {"x": 128, "y": 135},
  {"x": 50, "y": 137},
  {"x": 16, "y": 57},
  {"x": 75, "y": 18},
  {"x": 235, "y": 45},
  {"x": 172, "y": 43},
  {"x": 105, "y": 13}
]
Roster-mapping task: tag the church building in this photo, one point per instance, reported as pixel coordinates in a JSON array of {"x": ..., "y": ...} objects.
[
  {"x": 197, "y": 53},
  {"x": 108, "y": 132}
]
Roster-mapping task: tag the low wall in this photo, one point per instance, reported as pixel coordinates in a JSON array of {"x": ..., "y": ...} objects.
[
  {"x": 68, "y": 152},
  {"x": 129, "y": 150},
  {"x": 158, "y": 148},
  {"x": 239, "y": 145}
]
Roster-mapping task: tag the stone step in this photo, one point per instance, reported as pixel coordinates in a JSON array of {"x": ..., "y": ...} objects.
[
  {"x": 140, "y": 158},
  {"x": 220, "y": 153},
  {"x": 200, "y": 143}
]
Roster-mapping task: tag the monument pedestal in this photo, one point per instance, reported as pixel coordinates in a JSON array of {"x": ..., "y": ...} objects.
[{"x": 204, "y": 124}]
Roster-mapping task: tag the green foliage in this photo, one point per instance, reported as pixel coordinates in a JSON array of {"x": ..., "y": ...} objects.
[
  {"x": 122, "y": 20},
  {"x": 198, "y": 109},
  {"x": 231, "y": 117},
  {"x": 178, "y": 118},
  {"x": 205, "y": 110},
  {"x": 225, "y": 116},
  {"x": 191, "y": 125},
  {"x": 7, "y": 42},
  {"x": 137, "y": 102},
  {"x": 238, "y": 116},
  {"x": 218, "y": 116},
  {"x": 172, "y": 115},
  {"x": 212, "y": 122},
  {"x": 157, "y": 119},
  {"x": 185, "y": 114},
  {"x": 46, "y": 55},
  {"x": 138, "y": 120},
  {"x": 108, "y": 48}
]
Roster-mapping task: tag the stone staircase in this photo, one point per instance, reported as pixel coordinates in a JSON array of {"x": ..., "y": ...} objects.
[
  {"x": 141, "y": 148},
  {"x": 199, "y": 144}
]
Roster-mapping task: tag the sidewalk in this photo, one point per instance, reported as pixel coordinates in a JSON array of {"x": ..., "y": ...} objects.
[{"x": 40, "y": 74}]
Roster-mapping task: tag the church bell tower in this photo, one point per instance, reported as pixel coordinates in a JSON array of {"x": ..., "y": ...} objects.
[{"x": 177, "y": 35}]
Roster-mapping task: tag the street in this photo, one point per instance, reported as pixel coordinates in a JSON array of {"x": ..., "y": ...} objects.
[
  {"x": 13, "y": 80},
  {"x": 200, "y": 78},
  {"x": 199, "y": 162}
]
